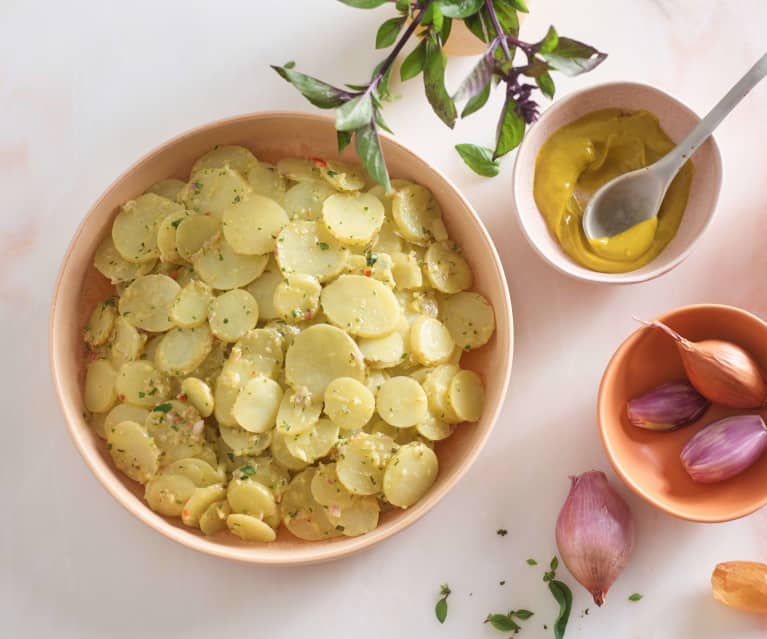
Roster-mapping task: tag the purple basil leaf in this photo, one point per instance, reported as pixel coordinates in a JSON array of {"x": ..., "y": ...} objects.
[
  {"x": 479, "y": 77},
  {"x": 319, "y": 93},
  {"x": 573, "y": 58}
]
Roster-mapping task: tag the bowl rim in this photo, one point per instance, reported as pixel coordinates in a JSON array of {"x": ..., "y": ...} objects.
[
  {"x": 323, "y": 552},
  {"x": 630, "y": 277},
  {"x": 635, "y": 486}
]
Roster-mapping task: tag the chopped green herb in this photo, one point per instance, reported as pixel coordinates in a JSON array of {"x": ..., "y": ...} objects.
[
  {"x": 163, "y": 408},
  {"x": 175, "y": 223},
  {"x": 340, "y": 528},
  {"x": 247, "y": 471},
  {"x": 502, "y": 532},
  {"x": 440, "y": 610},
  {"x": 501, "y": 622},
  {"x": 236, "y": 199},
  {"x": 332, "y": 173},
  {"x": 635, "y": 597},
  {"x": 141, "y": 394},
  {"x": 532, "y": 562},
  {"x": 323, "y": 246},
  {"x": 370, "y": 258}
]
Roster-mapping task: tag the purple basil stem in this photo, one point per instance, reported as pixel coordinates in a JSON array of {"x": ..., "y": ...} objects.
[
  {"x": 724, "y": 448},
  {"x": 667, "y": 407}
]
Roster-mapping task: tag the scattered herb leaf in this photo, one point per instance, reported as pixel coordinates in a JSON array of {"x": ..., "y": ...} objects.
[
  {"x": 635, "y": 597},
  {"x": 440, "y": 610}
]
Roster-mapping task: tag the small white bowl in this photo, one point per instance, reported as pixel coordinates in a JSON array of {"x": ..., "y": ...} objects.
[{"x": 675, "y": 119}]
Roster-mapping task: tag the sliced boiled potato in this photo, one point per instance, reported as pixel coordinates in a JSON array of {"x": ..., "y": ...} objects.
[
  {"x": 227, "y": 155},
  {"x": 430, "y": 341},
  {"x": 99, "y": 327},
  {"x": 383, "y": 352},
  {"x": 134, "y": 231},
  {"x": 298, "y": 169},
  {"x": 194, "y": 233},
  {"x": 386, "y": 198},
  {"x": 141, "y": 384},
  {"x": 226, "y": 390},
  {"x": 314, "y": 443},
  {"x": 353, "y": 218},
  {"x": 466, "y": 395},
  {"x": 201, "y": 499},
  {"x": 256, "y": 406},
  {"x": 168, "y": 188},
  {"x": 407, "y": 271},
  {"x": 182, "y": 350},
  {"x": 100, "y": 386},
  {"x": 214, "y": 190},
  {"x": 470, "y": 319},
  {"x": 304, "y": 200},
  {"x": 251, "y": 226},
  {"x": 402, "y": 402},
  {"x": 250, "y": 528},
  {"x": 262, "y": 289},
  {"x": 177, "y": 429},
  {"x": 198, "y": 470},
  {"x": 401, "y": 436},
  {"x": 265, "y": 470},
  {"x": 114, "y": 267},
  {"x": 96, "y": 422},
  {"x": 436, "y": 384},
  {"x": 375, "y": 380},
  {"x": 389, "y": 240},
  {"x": 199, "y": 395},
  {"x": 190, "y": 308},
  {"x": 168, "y": 494},
  {"x": 232, "y": 314},
  {"x": 250, "y": 497},
  {"x": 264, "y": 348},
  {"x": 266, "y": 180},
  {"x": 349, "y": 403},
  {"x": 434, "y": 429},
  {"x": 146, "y": 303},
  {"x": 124, "y": 413},
  {"x": 133, "y": 450},
  {"x": 328, "y": 491},
  {"x": 297, "y": 298},
  {"x": 307, "y": 247},
  {"x": 298, "y": 413},
  {"x": 243, "y": 442},
  {"x": 417, "y": 215},
  {"x": 319, "y": 355},
  {"x": 446, "y": 269},
  {"x": 166, "y": 237},
  {"x": 342, "y": 176},
  {"x": 219, "y": 266},
  {"x": 356, "y": 519},
  {"x": 361, "y": 305},
  {"x": 302, "y": 514},
  {"x": 282, "y": 456},
  {"x": 213, "y": 520},
  {"x": 212, "y": 365},
  {"x": 361, "y": 462},
  {"x": 375, "y": 265},
  {"x": 409, "y": 474}
]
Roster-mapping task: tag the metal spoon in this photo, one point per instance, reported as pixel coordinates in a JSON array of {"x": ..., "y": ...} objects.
[{"x": 636, "y": 196}]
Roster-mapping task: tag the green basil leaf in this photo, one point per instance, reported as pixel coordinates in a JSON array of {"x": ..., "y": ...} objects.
[
  {"x": 507, "y": 17},
  {"x": 460, "y": 8},
  {"x": 511, "y": 129},
  {"x": 344, "y": 137},
  {"x": 319, "y": 93},
  {"x": 440, "y": 610},
  {"x": 520, "y": 5},
  {"x": 364, "y": 4},
  {"x": 564, "y": 597},
  {"x": 554, "y": 564},
  {"x": 549, "y": 42},
  {"x": 388, "y": 32},
  {"x": 522, "y": 614},
  {"x": 479, "y": 77},
  {"x": 433, "y": 16},
  {"x": 369, "y": 149},
  {"x": 504, "y": 623},
  {"x": 534, "y": 69},
  {"x": 434, "y": 82},
  {"x": 635, "y": 597},
  {"x": 414, "y": 62},
  {"x": 380, "y": 121},
  {"x": 289, "y": 65},
  {"x": 383, "y": 89},
  {"x": 403, "y": 6},
  {"x": 476, "y": 24},
  {"x": 479, "y": 159},
  {"x": 477, "y": 102},
  {"x": 444, "y": 34},
  {"x": 355, "y": 113},
  {"x": 546, "y": 84},
  {"x": 573, "y": 58}
]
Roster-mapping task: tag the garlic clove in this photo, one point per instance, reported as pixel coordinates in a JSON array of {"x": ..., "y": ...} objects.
[
  {"x": 724, "y": 448},
  {"x": 595, "y": 533},
  {"x": 667, "y": 407},
  {"x": 721, "y": 371}
]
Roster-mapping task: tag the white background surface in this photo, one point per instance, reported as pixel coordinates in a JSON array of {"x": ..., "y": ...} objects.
[{"x": 88, "y": 87}]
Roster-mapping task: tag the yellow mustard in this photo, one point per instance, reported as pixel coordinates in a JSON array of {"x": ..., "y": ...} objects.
[{"x": 579, "y": 158}]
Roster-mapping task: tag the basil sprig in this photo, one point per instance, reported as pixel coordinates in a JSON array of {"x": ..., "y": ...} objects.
[{"x": 520, "y": 68}]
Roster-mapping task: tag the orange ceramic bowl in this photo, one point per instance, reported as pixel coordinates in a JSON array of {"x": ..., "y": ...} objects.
[
  {"x": 271, "y": 136},
  {"x": 649, "y": 461}
]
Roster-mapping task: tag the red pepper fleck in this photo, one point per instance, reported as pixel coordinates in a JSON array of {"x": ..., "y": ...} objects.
[
  {"x": 319, "y": 162},
  {"x": 207, "y": 213},
  {"x": 181, "y": 397},
  {"x": 185, "y": 513},
  {"x": 367, "y": 272},
  {"x": 121, "y": 397},
  {"x": 308, "y": 315},
  {"x": 174, "y": 275}
]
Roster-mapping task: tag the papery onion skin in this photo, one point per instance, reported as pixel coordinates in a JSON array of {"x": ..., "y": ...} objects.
[
  {"x": 721, "y": 371},
  {"x": 741, "y": 585},
  {"x": 595, "y": 533},
  {"x": 667, "y": 407},
  {"x": 724, "y": 448}
]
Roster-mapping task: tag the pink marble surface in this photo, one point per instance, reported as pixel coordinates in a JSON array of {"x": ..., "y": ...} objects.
[{"x": 87, "y": 87}]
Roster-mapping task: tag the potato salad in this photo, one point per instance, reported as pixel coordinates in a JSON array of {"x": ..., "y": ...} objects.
[{"x": 283, "y": 347}]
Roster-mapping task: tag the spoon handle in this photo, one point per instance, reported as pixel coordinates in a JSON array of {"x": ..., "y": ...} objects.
[{"x": 706, "y": 126}]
